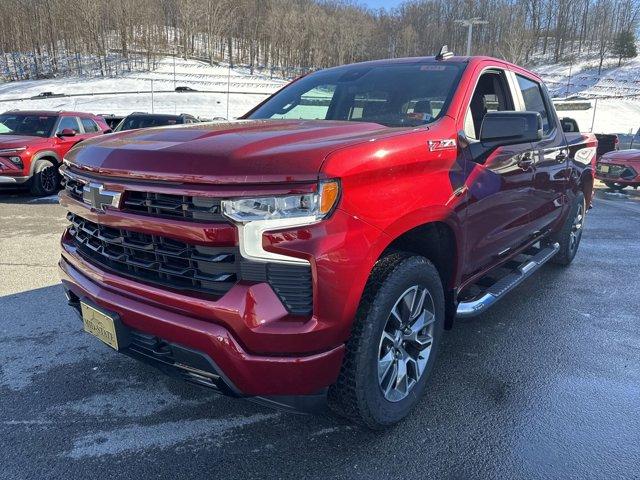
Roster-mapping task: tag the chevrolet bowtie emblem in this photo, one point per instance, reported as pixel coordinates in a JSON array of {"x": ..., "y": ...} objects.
[{"x": 95, "y": 195}]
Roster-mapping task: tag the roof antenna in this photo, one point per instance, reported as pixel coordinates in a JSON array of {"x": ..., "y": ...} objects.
[{"x": 444, "y": 53}]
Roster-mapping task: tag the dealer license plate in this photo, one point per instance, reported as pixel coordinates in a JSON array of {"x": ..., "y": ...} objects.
[
  {"x": 99, "y": 324},
  {"x": 604, "y": 168}
]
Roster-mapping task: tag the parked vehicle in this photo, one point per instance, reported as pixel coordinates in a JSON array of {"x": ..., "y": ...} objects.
[
  {"x": 316, "y": 250},
  {"x": 185, "y": 89},
  {"x": 47, "y": 95},
  {"x": 606, "y": 142},
  {"x": 620, "y": 169},
  {"x": 33, "y": 143},
  {"x": 112, "y": 120},
  {"x": 146, "y": 120}
]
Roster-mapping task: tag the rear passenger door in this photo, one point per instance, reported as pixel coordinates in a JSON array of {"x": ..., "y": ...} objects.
[
  {"x": 499, "y": 181},
  {"x": 550, "y": 167}
]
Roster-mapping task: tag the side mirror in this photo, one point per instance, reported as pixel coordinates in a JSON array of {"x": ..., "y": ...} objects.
[
  {"x": 509, "y": 128},
  {"x": 67, "y": 132}
]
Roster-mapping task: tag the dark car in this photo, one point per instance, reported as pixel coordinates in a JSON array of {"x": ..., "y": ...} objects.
[
  {"x": 47, "y": 95},
  {"x": 317, "y": 249},
  {"x": 112, "y": 120},
  {"x": 148, "y": 120},
  {"x": 33, "y": 143},
  {"x": 185, "y": 89}
]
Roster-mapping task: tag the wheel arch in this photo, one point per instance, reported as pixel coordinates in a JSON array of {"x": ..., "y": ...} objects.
[
  {"x": 439, "y": 242},
  {"x": 44, "y": 155},
  {"x": 585, "y": 185}
]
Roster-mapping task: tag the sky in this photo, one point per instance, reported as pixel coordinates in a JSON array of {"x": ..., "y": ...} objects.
[{"x": 381, "y": 3}]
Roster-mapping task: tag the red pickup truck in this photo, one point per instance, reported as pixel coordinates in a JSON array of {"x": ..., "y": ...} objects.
[
  {"x": 316, "y": 249},
  {"x": 33, "y": 143}
]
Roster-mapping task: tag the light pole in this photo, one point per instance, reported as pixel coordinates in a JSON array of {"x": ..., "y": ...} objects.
[{"x": 469, "y": 23}]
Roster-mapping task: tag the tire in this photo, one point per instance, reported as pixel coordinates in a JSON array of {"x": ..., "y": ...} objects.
[
  {"x": 571, "y": 233},
  {"x": 46, "y": 179},
  {"x": 358, "y": 393},
  {"x": 615, "y": 186}
]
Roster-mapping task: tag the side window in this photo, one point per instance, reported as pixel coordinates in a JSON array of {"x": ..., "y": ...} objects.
[
  {"x": 89, "y": 125},
  {"x": 534, "y": 101},
  {"x": 491, "y": 95},
  {"x": 68, "y": 122}
]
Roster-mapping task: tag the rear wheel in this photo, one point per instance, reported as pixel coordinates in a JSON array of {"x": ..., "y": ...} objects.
[
  {"x": 615, "y": 186},
  {"x": 571, "y": 234},
  {"x": 46, "y": 178},
  {"x": 394, "y": 342}
]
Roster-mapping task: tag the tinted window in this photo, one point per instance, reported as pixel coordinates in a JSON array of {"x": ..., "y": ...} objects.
[
  {"x": 68, "y": 122},
  {"x": 28, "y": 125},
  {"x": 393, "y": 95},
  {"x": 145, "y": 121},
  {"x": 534, "y": 101},
  {"x": 89, "y": 125},
  {"x": 491, "y": 95}
]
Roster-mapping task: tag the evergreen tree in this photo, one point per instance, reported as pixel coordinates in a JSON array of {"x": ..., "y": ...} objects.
[{"x": 624, "y": 45}]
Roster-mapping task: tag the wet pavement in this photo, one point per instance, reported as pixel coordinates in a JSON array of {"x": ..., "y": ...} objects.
[{"x": 545, "y": 385}]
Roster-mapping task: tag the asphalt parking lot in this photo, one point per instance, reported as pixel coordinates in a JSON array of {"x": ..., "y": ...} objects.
[{"x": 546, "y": 385}]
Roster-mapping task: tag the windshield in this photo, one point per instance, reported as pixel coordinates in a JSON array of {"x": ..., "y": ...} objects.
[
  {"x": 146, "y": 121},
  {"x": 398, "y": 95},
  {"x": 27, "y": 125}
]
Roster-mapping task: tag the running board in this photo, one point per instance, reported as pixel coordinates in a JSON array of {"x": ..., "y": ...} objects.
[{"x": 499, "y": 289}]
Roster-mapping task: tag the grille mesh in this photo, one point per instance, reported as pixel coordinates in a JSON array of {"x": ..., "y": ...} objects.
[
  {"x": 198, "y": 209},
  {"x": 156, "y": 259}
]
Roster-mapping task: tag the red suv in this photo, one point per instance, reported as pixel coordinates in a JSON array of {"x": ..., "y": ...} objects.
[
  {"x": 317, "y": 249},
  {"x": 619, "y": 169},
  {"x": 32, "y": 145}
]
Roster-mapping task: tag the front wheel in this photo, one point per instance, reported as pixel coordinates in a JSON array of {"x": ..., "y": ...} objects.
[
  {"x": 46, "y": 179},
  {"x": 571, "y": 233},
  {"x": 395, "y": 338}
]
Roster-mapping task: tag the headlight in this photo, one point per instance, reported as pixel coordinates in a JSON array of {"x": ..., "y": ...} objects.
[
  {"x": 313, "y": 206},
  {"x": 255, "y": 216}
]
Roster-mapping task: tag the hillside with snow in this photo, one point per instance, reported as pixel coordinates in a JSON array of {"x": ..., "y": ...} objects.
[
  {"x": 95, "y": 94},
  {"x": 616, "y": 88}
]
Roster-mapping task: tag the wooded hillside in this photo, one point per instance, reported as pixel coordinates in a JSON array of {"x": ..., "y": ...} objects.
[{"x": 40, "y": 38}]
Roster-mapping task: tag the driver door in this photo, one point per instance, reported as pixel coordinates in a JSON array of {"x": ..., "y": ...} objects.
[{"x": 499, "y": 182}]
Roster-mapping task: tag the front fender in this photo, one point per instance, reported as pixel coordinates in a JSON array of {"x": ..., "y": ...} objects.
[{"x": 43, "y": 154}]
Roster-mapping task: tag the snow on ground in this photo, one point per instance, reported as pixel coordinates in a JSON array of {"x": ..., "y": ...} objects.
[{"x": 191, "y": 73}]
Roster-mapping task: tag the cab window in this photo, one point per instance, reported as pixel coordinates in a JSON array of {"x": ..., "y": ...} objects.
[
  {"x": 491, "y": 95},
  {"x": 534, "y": 100}
]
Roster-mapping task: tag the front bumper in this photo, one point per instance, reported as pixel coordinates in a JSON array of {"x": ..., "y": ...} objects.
[
  {"x": 618, "y": 173},
  {"x": 12, "y": 181},
  {"x": 232, "y": 370}
]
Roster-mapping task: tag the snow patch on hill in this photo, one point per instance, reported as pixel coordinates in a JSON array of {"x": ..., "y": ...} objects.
[
  {"x": 617, "y": 90},
  {"x": 191, "y": 73}
]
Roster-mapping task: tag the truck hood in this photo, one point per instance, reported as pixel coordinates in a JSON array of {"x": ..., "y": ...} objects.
[
  {"x": 620, "y": 156},
  {"x": 248, "y": 151}
]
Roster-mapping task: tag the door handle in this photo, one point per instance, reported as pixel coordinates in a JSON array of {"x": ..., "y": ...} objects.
[{"x": 525, "y": 161}]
